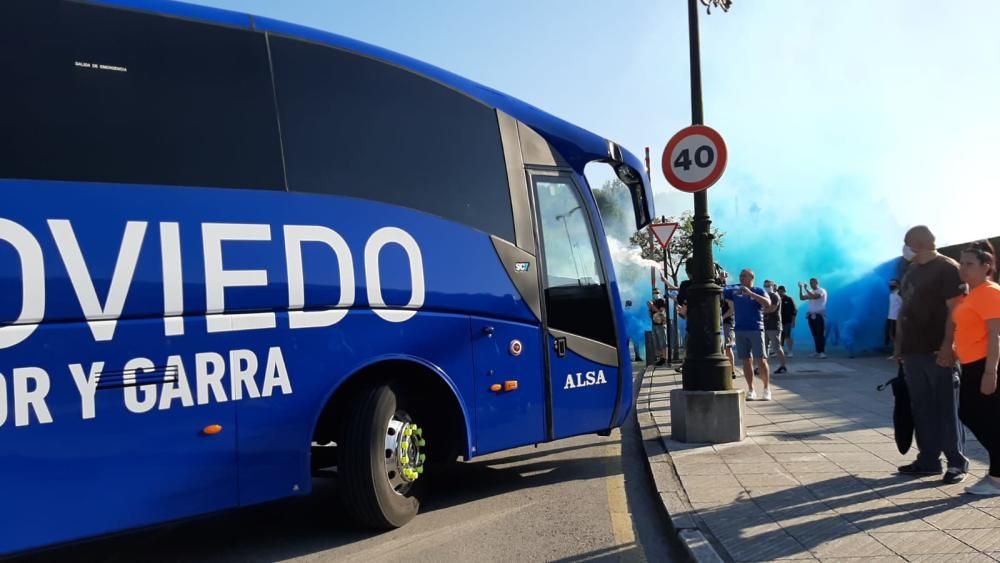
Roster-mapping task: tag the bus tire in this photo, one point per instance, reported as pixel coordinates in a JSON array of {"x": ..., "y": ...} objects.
[{"x": 373, "y": 489}]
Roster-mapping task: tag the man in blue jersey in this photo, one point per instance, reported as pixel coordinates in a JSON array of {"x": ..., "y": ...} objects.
[{"x": 749, "y": 303}]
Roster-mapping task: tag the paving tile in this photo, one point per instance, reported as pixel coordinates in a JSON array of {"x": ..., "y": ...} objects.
[
  {"x": 883, "y": 559},
  {"x": 952, "y": 558},
  {"x": 769, "y": 544},
  {"x": 917, "y": 493},
  {"x": 782, "y": 497},
  {"x": 834, "y": 448},
  {"x": 744, "y": 468},
  {"x": 696, "y": 482},
  {"x": 963, "y": 519},
  {"x": 899, "y": 522},
  {"x": 814, "y": 530},
  {"x": 702, "y": 469},
  {"x": 876, "y": 465},
  {"x": 984, "y": 502},
  {"x": 787, "y": 447},
  {"x": 846, "y": 487},
  {"x": 810, "y": 466},
  {"x": 809, "y": 477},
  {"x": 749, "y": 480},
  {"x": 798, "y": 457},
  {"x": 921, "y": 543},
  {"x": 987, "y": 539},
  {"x": 858, "y": 456},
  {"x": 717, "y": 495},
  {"x": 693, "y": 456},
  {"x": 855, "y": 545}
]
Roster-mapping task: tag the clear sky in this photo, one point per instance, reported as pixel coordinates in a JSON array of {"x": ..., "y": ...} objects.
[
  {"x": 888, "y": 103},
  {"x": 846, "y": 121}
]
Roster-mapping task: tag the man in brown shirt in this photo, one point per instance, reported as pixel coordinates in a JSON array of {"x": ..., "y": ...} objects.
[{"x": 924, "y": 344}]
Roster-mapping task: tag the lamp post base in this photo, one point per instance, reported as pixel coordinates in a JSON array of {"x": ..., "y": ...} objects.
[
  {"x": 707, "y": 417},
  {"x": 708, "y": 373}
]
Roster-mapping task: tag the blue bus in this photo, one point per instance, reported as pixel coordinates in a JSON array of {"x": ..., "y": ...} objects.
[{"x": 237, "y": 253}]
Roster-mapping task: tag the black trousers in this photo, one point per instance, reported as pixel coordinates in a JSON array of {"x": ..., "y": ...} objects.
[
  {"x": 980, "y": 413},
  {"x": 817, "y": 326},
  {"x": 890, "y": 331}
]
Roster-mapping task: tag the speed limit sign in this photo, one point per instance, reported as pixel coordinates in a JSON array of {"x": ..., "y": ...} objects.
[{"x": 694, "y": 159}]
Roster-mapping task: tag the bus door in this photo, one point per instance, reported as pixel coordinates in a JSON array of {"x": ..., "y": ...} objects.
[{"x": 579, "y": 319}]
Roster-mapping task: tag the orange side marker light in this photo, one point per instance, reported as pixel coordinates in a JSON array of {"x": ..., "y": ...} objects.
[
  {"x": 211, "y": 429},
  {"x": 510, "y": 385},
  {"x": 496, "y": 387}
]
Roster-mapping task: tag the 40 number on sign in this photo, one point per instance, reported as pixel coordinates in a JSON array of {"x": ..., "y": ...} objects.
[{"x": 704, "y": 156}]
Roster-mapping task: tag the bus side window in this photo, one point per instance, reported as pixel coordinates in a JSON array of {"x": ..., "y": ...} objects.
[
  {"x": 354, "y": 126},
  {"x": 124, "y": 97},
  {"x": 576, "y": 296}
]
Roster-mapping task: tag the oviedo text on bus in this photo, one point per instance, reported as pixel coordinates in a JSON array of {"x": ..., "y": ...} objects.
[{"x": 236, "y": 253}]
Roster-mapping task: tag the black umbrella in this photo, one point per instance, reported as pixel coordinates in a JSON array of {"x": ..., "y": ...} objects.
[{"x": 902, "y": 416}]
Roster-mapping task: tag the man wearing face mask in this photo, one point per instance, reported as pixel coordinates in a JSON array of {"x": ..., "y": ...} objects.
[{"x": 924, "y": 344}]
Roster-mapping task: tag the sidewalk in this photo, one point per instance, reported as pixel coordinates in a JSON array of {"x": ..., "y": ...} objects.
[{"x": 815, "y": 479}]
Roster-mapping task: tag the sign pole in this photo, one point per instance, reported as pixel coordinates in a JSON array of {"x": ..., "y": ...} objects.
[
  {"x": 705, "y": 367},
  {"x": 666, "y": 293}
]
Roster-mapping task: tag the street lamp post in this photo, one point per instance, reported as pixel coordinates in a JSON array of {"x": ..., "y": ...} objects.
[{"x": 705, "y": 366}]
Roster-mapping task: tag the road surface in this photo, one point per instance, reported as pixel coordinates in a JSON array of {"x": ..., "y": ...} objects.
[{"x": 583, "y": 499}]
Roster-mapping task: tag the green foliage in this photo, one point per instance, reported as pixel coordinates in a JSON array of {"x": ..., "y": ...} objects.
[
  {"x": 613, "y": 201},
  {"x": 681, "y": 245}
]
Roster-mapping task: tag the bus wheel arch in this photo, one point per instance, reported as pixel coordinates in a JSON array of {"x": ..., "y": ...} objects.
[{"x": 447, "y": 421}]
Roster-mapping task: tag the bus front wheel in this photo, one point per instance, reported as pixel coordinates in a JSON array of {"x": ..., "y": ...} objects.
[{"x": 382, "y": 460}]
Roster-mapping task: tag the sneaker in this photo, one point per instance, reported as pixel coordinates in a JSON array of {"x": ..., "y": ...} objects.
[
  {"x": 988, "y": 486},
  {"x": 914, "y": 469},
  {"x": 954, "y": 476},
  {"x": 767, "y": 394},
  {"x": 782, "y": 369},
  {"x": 752, "y": 395},
  {"x": 821, "y": 356}
]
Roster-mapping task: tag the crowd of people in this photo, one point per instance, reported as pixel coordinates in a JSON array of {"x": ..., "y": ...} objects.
[
  {"x": 757, "y": 323},
  {"x": 943, "y": 323}
]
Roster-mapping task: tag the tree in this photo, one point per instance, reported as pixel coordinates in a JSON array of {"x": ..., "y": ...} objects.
[
  {"x": 681, "y": 245},
  {"x": 613, "y": 201}
]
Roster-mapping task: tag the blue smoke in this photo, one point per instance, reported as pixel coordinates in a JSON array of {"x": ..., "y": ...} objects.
[{"x": 840, "y": 233}]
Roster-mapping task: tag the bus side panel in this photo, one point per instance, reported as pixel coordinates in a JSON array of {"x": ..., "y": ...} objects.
[
  {"x": 583, "y": 393},
  {"x": 159, "y": 264},
  {"x": 275, "y": 435},
  {"x": 78, "y": 462},
  {"x": 505, "y": 352}
]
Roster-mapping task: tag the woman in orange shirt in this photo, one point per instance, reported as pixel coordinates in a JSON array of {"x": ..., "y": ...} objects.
[{"x": 977, "y": 343}]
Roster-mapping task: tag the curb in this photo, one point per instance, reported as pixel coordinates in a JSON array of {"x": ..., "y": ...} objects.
[{"x": 684, "y": 519}]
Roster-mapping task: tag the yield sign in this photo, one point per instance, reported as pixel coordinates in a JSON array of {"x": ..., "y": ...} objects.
[{"x": 663, "y": 232}]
